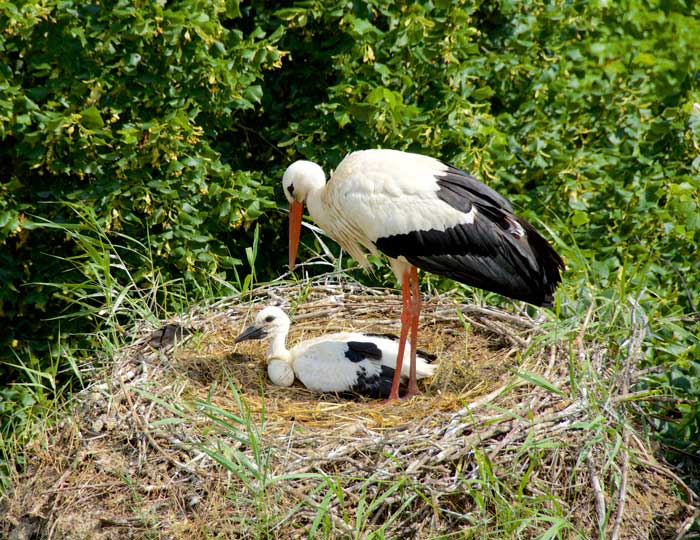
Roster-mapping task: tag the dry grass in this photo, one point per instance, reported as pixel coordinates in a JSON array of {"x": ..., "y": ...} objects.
[{"x": 484, "y": 453}]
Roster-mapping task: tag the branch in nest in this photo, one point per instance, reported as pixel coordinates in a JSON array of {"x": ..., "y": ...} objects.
[
  {"x": 598, "y": 495},
  {"x": 622, "y": 494}
]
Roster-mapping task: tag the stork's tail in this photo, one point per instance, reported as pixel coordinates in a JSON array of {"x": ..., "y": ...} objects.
[{"x": 551, "y": 265}]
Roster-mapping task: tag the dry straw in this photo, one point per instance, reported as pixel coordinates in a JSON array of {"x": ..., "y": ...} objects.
[{"x": 151, "y": 448}]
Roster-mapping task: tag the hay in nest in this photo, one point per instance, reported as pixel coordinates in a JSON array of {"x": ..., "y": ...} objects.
[{"x": 137, "y": 456}]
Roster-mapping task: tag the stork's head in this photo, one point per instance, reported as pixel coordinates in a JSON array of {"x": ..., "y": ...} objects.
[
  {"x": 300, "y": 179},
  {"x": 270, "y": 322}
]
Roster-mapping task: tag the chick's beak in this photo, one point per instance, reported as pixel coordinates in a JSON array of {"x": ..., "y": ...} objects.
[{"x": 252, "y": 332}]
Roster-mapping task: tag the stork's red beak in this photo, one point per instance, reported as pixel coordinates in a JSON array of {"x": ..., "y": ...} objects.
[{"x": 295, "y": 212}]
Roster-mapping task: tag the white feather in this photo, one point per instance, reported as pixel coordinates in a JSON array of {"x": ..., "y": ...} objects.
[{"x": 387, "y": 192}]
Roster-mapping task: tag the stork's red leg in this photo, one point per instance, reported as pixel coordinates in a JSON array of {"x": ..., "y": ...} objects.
[
  {"x": 405, "y": 322},
  {"x": 416, "y": 303}
]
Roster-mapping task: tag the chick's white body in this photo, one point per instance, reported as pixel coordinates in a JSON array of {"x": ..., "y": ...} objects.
[{"x": 323, "y": 364}]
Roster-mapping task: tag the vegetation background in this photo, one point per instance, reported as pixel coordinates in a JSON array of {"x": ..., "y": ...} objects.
[{"x": 142, "y": 145}]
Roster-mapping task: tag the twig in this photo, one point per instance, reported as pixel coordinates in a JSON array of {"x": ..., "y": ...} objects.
[
  {"x": 448, "y": 314},
  {"x": 582, "y": 332},
  {"x": 633, "y": 353},
  {"x": 552, "y": 361},
  {"x": 622, "y": 494},
  {"x": 599, "y": 496}
]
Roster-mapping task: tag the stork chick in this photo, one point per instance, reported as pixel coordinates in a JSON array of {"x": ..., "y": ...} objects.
[{"x": 343, "y": 362}]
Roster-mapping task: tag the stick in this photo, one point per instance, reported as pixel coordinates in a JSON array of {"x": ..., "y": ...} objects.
[
  {"x": 599, "y": 496},
  {"x": 622, "y": 494}
]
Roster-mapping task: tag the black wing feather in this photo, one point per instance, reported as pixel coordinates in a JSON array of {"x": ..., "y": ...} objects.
[
  {"x": 377, "y": 385},
  {"x": 358, "y": 351},
  {"x": 454, "y": 183},
  {"x": 498, "y": 252}
]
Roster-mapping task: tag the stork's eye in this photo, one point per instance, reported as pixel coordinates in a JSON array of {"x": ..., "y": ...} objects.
[
  {"x": 269, "y": 318},
  {"x": 290, "y": 188}
]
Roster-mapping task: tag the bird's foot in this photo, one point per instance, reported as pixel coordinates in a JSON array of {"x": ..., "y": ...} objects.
[
  {"x": 395, "y": 398},
  {"x": 412, "y": 391}
]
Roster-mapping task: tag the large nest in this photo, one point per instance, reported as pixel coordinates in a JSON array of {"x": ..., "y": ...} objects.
[{"x": 191, "y": 441}]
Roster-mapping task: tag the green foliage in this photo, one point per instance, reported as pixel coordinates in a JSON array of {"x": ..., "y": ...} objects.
[
  {"x": 173, "y": 122},
  {"x": 120, "y": 108}
]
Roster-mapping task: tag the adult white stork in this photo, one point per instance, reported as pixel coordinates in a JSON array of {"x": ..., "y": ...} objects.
[
  {"x": 343, "y": 362},
  {"x": 423, "y": 213}
]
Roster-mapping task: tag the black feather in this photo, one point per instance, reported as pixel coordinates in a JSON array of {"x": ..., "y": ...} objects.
[
  {"x": 460, "y": 190},
  {"x": 358, "y": 351},
  {"x": 377, "y": 385}
]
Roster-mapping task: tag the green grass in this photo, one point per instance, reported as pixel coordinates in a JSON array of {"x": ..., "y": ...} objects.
[
  {"x": 113, "y": 285},
  {"x": 28, "y": 405}
]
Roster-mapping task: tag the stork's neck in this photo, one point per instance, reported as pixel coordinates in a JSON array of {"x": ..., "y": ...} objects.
[
  {"x": 279, "y": 359},
  {"x": 316, "y": 204},
  {"x": 278, "y": 348}
]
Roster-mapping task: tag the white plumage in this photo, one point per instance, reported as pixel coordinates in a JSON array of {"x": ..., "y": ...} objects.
[
  {"x": 381, "y": 193},
  {"x": 344, "y": 362},
  {"x": 423, "y": 213}
]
